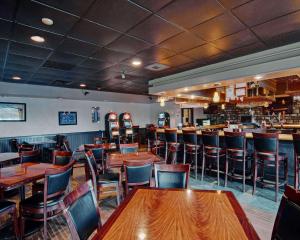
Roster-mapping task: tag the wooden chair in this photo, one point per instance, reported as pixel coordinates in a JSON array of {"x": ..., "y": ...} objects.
[
  {"x": 81, "y": 211},
  {"x": 152, "y": 140},
  {"x": 286, "y": 225},
  {"x": 43, "y": 206},
  {"x": 129, "y": 148},
  {"x": 107, "y": 184},
  {"x": 9, "y": 208},
  {"x": 30, "y": 156},
  {"x": 172, "y": 175},
  {"x": 137, "y": 174},
  {"x": 172, "y": 145},
  {"x": 266, "y": 154}
]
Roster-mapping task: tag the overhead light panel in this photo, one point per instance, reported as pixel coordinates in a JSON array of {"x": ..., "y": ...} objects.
[
  {"x": 179, "y": 95},
  {"x": 16, "y": 78},
  {"x": 216, "y": 97},
  {"x": 38, "y": 39},
  {"x": 185, "y": 89},
  {"x": 82, "y": 85},
  {"x": 47, "y": 21},
  {"x": 258, "y": 77},
  {"x": 136, "y": 62}
]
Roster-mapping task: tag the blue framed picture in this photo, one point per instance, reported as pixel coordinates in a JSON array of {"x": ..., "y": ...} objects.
[{"x": 67, "y": 118}]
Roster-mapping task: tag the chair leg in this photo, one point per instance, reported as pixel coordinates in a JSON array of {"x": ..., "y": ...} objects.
[
  {"x": 218, "y": 168},
  {"x": 16, "y": 224},
  {"x": 196, "y": 163},
  {"x": 244, "y": 173},
  {"x": 203, "y": 166},
  {"x": 184, "y": 153},
  {"x": 118, "y": 194},
  {"x": 45, "y": 225},
  {"x": 254, "y": 176},
  {"x": 277, "y": 179},
  {"x": 226, "y": 170},
  {"x": 166, "y": 153},
  {"x": 296, "y": 172},
  {"x": 22, "y": 226}
]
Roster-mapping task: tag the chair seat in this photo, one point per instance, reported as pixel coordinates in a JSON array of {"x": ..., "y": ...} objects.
[
  {"x": 109, "y": 176},
  {"x": 191, "y": 147},
  {"x": 271, "y": 156},
  {"x": 37, "y": 201},
  {"x": 5, "y": 205}
]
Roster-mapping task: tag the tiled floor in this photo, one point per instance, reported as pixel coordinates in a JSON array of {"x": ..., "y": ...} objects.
[{"x": 260, "y": 209}]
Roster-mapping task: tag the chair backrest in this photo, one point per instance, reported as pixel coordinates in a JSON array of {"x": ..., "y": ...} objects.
[
  {"x": 189, "y": 137},
  {"x": 296, "y": 142},
  {"x": 171, "y": 135},
  {"x": 151, "y": 134},
  {"x": 235, "y": 140},
  {"x": 61, "y": 157},
  {"x": 210, "y": 138},
  {"x": 286, "y": 225},
  {"x": 14, "y": 145},
  {"x": 93, "y": 169},
  {"x": 66, "y": 146},
  {"x": 98, "y": 140},
  {"x": 171, "y": 175},
  {"x": 129, "y": 148},
  {"x": 265, "y": 142},
  {"x": 57, "y": 180},
  {"x": 60, "y": 140},
  {"x": 82, "y": 212},
  {"x": 98, "y": 153},
  {"x": 30, "y": 156},
  {"x": 137, "y": 173}
]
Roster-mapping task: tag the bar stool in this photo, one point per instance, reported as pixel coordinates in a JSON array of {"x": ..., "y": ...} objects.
[
  {"x": 236, "y": 151},
  {"x": 296, "y": 142},
  {"x": 152, "y": 140},
  {"x": 266, "y": 154},
  {"x": 171, "y": 144},
  {"x": 191, "y": 147},
  {"x": 211, "y": 150},
  {"x": 161, "y": 137}
]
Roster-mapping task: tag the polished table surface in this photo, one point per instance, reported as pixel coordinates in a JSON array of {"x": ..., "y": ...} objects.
[
  {"x": 8, "y": 156},
  {"x": 23, "y": 173},
  {"x": 178, "y": 214},
  {"x": 106, "y": 146},
  {"x": 117, "y": 159}
]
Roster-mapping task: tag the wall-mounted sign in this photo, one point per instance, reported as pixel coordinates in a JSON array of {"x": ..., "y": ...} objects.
[
  {"x": 67, "y": 118},
  {"x": 95, "y": 114}
]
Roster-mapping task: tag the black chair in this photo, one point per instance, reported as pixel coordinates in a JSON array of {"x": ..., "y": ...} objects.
[
  {"x": 98, "y": 154},
  {"x": 44, "y": 205},
  {"x": 172, "y": 175},
  {"x": 129, "y": 148},
  {"x": 137, "y": 174},
  {"x": 296, "y": 142},
  {"x": 161, "y": 138},
  {"x": 9, "y": 208},
  {"x": 152, "y": 140},
  {"x": 286, "y": 225},
  {"x": 266, "y": 154},
  {"x": 236, "y": 152},
  {"x": 82, "y": 212},
  {"x": 172, "y": 145},
  {"x": 104, "y": 183},
  {"x": 30, "y": 156},
  {"x": 211, "y": 151},
  {"x": 191, "y": 147}
]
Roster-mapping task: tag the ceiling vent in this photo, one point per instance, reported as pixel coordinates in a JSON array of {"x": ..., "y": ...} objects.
[
  {"x": 156, "y": 67},
  {"x": 58, "y": 65}
]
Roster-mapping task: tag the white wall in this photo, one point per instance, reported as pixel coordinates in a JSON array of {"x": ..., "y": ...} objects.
[{"x": 42, "y": 115}]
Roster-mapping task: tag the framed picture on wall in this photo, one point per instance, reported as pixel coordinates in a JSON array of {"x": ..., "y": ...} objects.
[
  {"x": 12, "y": 112},
  {"x": 67, "y": 118},
  {"x": 95, "y": 114}
]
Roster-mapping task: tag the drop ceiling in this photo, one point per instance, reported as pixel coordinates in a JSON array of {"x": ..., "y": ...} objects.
[{"x": 94, "y": 41}]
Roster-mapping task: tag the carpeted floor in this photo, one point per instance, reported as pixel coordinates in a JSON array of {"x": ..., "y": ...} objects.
[{"x": 260, "y": 209}]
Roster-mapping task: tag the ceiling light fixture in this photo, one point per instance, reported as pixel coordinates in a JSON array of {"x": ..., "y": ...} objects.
[
  {"x": 123, "y": 75},
  {"x": 178, "y": 95},
  {"x": 136, "y": 62},
  {"x": 205, "y": 106},
  {"x": 82, "y": 85},
  {"x": 38, "y": 39},
  {"x": 185, "y": 89},
  {"x": 216, "y": 97},
  {"x": 223, "y": 106},
  {"x": 258, "y": 77},
  {"x": 47, "y": 21},
  {"x": 16, "y": 78},
  {"x": 193, "y": 97},
  {"x": 162, "y": 102}
]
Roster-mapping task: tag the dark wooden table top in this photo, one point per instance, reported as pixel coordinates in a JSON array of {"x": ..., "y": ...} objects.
[
  {"x": 23, "y": 173},
  {"x": 117, "y": 159},
  {"x": 106, "y": 146},
  {"x": 178, "y": 214},
  {"x": 8, "y": 156}
]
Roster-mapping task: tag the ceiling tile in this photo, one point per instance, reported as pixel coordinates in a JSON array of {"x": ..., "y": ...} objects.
[
  {"x": 202, "y": 52},
  {"x": 63, "y": 22},
  {"x": 279, "y": 26},
  {"x": 128, "y": 45},
  {"x": 5, "y": 27},
  {"x": 154, "y": 30},
  {"x": 218, "y": 27},
  {"x": 23, "y": 33},
  {"x": 109, "y": 55},
  {"x": 93, "y": 33},
  {"x": 236, "y": 40},
  {"x": 154, "y": 54},
  {"x": 176, "y": 60},
  {"x": 188, "y": 13},
  {"x": 260, "y": 11},
  {"x": 66, "y": 58},
  {"x": 7, "y": 8},
  {"x": 182, "y": 42},
  {"x": 252, "y": 48},
  {"x": 122, "y": 14},
  {"x": 95, "y": 64},
  {"x": 152, "y": 5},
  {"x": 233, "y": 3},
  {"x": 28, "y": 50},
  {"x": 78, "y": 47},
  {"x": 77, "y": 7}
]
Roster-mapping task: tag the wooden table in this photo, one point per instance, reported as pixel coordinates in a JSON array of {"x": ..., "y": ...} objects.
[
  {"x": 178, "y": 214},
  {"x": 105, "y": 146},
  {"x": 117, "y": 159},
  {"x": 7, "y": 157}
]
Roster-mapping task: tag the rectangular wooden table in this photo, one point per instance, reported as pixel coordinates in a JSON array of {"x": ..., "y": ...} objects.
[
  {"x": 178, "y": 214},
  {"x": 117, "y": 159}
]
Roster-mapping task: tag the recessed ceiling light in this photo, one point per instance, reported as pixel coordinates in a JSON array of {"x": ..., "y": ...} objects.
[
  {"x": 47, "y": 21},
  {"x": 185, "y": 89},
  {"x": 38, "y": 39},
  {"x": 16, "y": 78},
  {"x": 82, "y": 85},
  {"x": 258, "y": 77},
  {"x": 193, "y": 96},
  {"x": 136, "y": 62},
  {"x": 98, "y": 88},
  {"x": 178, "y": 95}
]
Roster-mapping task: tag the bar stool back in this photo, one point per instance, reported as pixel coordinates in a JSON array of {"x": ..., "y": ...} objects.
[
  {"x": 211, "y": 150},
  {"x": 266, "y": 154},
  {"x": 152, "y": 141},
  {"x": 296, "y": 142},
  {"x": 171, "y": 144},
  {"x": 191, "y": 147},
  {"x": 161, "y": 137},
  {"x": 236, "y": 151}
]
